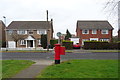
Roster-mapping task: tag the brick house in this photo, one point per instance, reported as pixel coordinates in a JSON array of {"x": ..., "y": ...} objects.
[
  {"x": 30, "y": 33},
  {"x": 93, "y": 30},
  {"x": 2, "y": 34}
]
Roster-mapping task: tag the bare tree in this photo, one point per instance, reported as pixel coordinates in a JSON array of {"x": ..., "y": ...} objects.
[
  {"x": 16, "y": 37},
  {"x": 111, "y": 6}
]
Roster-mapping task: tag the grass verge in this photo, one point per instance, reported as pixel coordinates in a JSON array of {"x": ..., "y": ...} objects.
[
  {"x": 104, "y": 51},
  {"x": 82, "y": 69},
  {"x": 12, "y": 67},
  {"x": 41, "y": 51}
]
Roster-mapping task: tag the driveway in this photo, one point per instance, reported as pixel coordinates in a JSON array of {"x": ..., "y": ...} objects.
[{"x": 50, "y": 56}]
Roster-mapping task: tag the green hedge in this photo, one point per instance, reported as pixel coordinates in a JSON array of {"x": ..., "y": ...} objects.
[
  {"x": 68, "y": 44},
  {"x": 53, "y": 42},
  {"x": 100, "y": 45}
]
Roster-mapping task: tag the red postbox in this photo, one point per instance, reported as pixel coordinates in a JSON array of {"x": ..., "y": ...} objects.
[
  {"x": 62, "y": 50},
  {"x": 58, "y": 51}
]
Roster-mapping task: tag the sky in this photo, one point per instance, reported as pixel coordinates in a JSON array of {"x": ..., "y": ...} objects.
[{"x": 64, "y": 13}]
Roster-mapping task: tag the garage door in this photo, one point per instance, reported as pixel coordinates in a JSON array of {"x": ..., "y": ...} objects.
[{"x": 11, "y": 44}]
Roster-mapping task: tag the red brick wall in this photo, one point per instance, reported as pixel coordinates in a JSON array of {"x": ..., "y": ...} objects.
[{"x": 90, "y": 35}]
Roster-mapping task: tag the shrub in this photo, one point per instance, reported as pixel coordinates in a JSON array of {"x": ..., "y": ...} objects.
[
  {"x": 68, "y": 44},
  {"x": 53, "y": 42},
  {"x": 44, "y": 41}
]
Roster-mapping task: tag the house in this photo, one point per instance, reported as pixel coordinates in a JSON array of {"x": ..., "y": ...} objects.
[
  {"x": 2, "y": 34},
  {"x": 119, "y": 34},
  {"x": 93, "y": 30},
  {"x": 27, "y": 34}
]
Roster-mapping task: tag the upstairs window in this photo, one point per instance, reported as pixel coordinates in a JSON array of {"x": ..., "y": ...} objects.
[
  {"x": 104, "y": 31},
  {"x": 94, "y": 31},
  {"x": 10, "y": 31},
  {"x": 41, "y": 32},
  {"x": 31, "y": 32},
  {"x": 85, "y": 31},
  {"x": 21, "y": 32}
]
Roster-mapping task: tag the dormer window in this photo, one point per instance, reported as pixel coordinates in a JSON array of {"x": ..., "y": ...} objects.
[
  {"x": 41, "y": 32},
  {"x": 104, "y": 31},
  {"x": 85, "y": 31}
]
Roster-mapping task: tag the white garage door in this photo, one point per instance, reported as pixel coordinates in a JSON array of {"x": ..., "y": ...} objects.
[{"x": 11, "y": 44}]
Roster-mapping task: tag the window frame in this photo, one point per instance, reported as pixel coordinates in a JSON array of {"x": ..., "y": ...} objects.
[
  {"x": 39, "y": 41},
  {"x": 22, "y": 32},
  {"x": 40, "y": 32},
  {"x": 83, "y": 31},
  {"x": 105, "y": 39},
  {"x": 104, "y": 30},
  {"x": 22, "y": 42},
  {"x": 94, "y": 32}
]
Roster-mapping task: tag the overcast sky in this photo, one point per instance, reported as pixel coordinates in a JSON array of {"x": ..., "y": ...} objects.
[{"x": 65, "y": 13}]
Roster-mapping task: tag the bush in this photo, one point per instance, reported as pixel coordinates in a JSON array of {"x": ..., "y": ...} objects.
[
  {"x": 100, "y": 45},
  {"x": 68, "y": 44},
  {"x": 53, "y": 42},
  {"x": 44, "y": 41}
]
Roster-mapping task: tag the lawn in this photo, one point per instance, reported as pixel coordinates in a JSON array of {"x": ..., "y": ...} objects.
[
  {"x": 12, "y": 67},
  {"x": 82, "y": 69}
]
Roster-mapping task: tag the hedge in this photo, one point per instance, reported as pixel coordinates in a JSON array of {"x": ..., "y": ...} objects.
[
  {"x": 100, "y": 45},
  {"x": 53, "y": 42},
  {"x": 68, "y": 44}
]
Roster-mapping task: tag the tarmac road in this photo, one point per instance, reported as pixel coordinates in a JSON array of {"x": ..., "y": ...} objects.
[{"x": 50, "y": 56}]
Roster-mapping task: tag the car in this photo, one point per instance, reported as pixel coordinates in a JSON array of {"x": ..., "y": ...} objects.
[{"x": 76, "y": 46}]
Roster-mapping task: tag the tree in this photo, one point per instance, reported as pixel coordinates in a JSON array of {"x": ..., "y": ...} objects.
[
  {"x": 44, "y": 41},
  {"x": 16, "y": 37},
  {"x": 68, "y": 35},
  {"x": 113, "y": 7}
]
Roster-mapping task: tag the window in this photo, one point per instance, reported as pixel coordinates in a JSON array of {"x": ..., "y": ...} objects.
[
  {"x": 21, "y": 32},
  {"x": 41, "y": 31},
  {"x": 104, "y": 31},
  {"x": 30, "y": 31},
  {"x": 104, "y": 39},
  {"x": 85, "y": 31},
  {"x": 94, "y": 31},
  {"x": 39, "y": 42},
  {"x": 10, "y": 31},
  {"x": 22, "y": 42}
]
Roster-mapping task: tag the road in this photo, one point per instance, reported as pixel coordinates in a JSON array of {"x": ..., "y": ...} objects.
[{"x": 50, "y": 56}]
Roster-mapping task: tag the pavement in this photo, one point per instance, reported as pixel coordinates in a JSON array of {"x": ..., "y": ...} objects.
[{"x": 33, "y": 70}]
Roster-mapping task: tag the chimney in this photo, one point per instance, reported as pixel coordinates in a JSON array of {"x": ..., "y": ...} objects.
[{"x": 47, "y": 15}]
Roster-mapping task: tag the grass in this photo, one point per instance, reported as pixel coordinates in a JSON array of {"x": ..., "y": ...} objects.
[
  {"x": 104, "y": 51},
  {"x": 82, "y": 69},
  {"x": 41, "y": 51},
  {"x": 12, "y": 67}
]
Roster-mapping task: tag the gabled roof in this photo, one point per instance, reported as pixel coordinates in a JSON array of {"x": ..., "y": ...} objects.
[
  {"x": 30, "y": 25},
  {"x": 2, "y": 24},
  {"x": 93, "y": 24}
]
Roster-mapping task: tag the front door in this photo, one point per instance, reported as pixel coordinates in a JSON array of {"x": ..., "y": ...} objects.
[{"x": 30, "y": 43}]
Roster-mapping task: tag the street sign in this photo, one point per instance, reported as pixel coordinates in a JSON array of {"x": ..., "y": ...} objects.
[{"x": 59, "y": 34}]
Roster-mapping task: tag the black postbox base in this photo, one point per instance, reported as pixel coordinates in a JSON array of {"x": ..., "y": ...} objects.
[{"x": 57, "y": 61}]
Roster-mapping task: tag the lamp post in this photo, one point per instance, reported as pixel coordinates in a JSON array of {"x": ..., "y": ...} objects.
[{"x": 5, "y": 32}]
